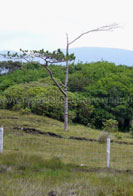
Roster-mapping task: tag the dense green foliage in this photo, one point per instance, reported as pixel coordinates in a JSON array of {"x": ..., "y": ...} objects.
[
  {"x": 41, "y": 97},
  {"x": 97, "y": 92},
  {"x": 108, "y": 88},
  {"x": 29, "y": 73},
  {"x": 111, "y": 125}
]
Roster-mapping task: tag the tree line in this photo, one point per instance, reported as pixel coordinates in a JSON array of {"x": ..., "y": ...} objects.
[{"x": 97, "y": 92}]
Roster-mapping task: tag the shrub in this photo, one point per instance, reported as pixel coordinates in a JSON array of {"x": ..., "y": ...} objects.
[
  {"x": 2, "y": 102},
  {"x": 25, "y": 111},
  {"x": 103, "y": 137},
  {"x": 110, "y": 125},
  {"x": 17, "y": 107},
  {"x": 41, "y": 98},
  {"x": 118, "y": 135},
  {"x": 131, "y": 132}
]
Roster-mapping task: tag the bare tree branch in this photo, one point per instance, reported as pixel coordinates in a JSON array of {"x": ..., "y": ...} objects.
[
  {"x": 58, "y": 57},
  {"x": 55, "y": 81},
  {"x": 102, "y": 28}
]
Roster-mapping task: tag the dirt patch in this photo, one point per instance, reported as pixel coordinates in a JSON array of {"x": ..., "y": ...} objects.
[
  {"x": 82, "y": 139},
  {"x": 36, "y": 131},
  {"x": 52, "y": 193},
  {"x": 122, "y": 142},
  {"x": 101, "y": 170},
  {"x": 9, "y": 117},
  {"x": 94, "y": 140},
  {"x": 54, "y": 135},
  {"x": 31, "y": 130}
]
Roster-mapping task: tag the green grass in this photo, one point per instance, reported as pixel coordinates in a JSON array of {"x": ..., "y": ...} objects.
[
  {"x": 10, "y": 119},
  {"x": 34, "y": 164}
]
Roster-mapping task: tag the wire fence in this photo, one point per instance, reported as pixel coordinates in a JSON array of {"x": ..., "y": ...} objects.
[{"x": 80, "y": 152}]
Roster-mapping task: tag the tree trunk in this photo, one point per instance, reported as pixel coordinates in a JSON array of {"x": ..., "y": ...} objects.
[
  {"x": 65, "y": 90},
  {"x": 66, "y": 113}
]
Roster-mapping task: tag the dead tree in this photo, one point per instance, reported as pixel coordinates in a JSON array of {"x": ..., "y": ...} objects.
[
  {"x": 102, "y": 28},
  {"x": 57, "y": 57}
]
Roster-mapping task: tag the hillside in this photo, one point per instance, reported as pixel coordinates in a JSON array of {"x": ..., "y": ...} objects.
[
  {"x": 93, "y": 54},
  {"x": 39, "y": 158},
  {"x": 15, "y": 123},
  {"x": 97, "y": 92}
]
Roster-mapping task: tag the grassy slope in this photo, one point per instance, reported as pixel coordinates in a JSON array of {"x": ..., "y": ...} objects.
[
  {"x": 10, "y": 119},
  {"x": 34, "y": 164}
]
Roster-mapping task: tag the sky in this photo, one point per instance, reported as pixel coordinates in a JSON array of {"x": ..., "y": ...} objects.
[{"x": 37, "y": 24}]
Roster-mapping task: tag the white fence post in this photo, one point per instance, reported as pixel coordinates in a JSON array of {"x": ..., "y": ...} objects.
[
  {"x": 1, "y": 139},
  {"x": 108, "y": 152}
]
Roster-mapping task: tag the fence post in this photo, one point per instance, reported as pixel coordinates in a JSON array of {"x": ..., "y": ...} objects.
[
  {"x": 1, "y": 139},
  {"x": 108, "y": 152}
]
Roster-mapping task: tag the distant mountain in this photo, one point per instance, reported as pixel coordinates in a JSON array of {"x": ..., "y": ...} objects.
[
  {"x": 93, "y": 54},
  {"x": 5, "y": 52}
]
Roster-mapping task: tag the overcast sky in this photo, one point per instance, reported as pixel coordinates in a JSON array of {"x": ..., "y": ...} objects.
[{"x": 37, "y": 24}]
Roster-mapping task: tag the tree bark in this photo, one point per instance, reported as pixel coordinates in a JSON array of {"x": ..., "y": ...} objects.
[
  {"x": 103, "y": 28},
  {"x": 42, "y": 55},
  {"x": 66, "y": 113},
  {"x": 65, "y": 89},
  {"x": 55, "y": 81}
]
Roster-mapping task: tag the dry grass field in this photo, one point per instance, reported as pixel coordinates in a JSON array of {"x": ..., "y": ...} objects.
[{"x": 40, "y": 158}]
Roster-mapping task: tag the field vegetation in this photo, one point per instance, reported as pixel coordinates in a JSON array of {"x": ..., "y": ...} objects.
[
  {"x": 97, "y": 92},
  {"x": 40, "y": 158},
  {"x": 34, "y": 163}
]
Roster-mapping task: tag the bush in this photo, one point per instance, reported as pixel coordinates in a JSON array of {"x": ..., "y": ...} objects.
[
  {"x": 2, "y": 102},
  {"x": 118, "y": 135},
  {"x": 17, "y": 107},
  {"x": 25, "y": 111},
  {"x": 131, "y": 132},
  {"x": 42, "y": 98},
  {"x": 103, "y": 137},
  {"x": 110, "y": 125}
]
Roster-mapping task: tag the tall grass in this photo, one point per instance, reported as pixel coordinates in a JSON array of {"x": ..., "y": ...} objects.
[{"x": 35, "y": 165}]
